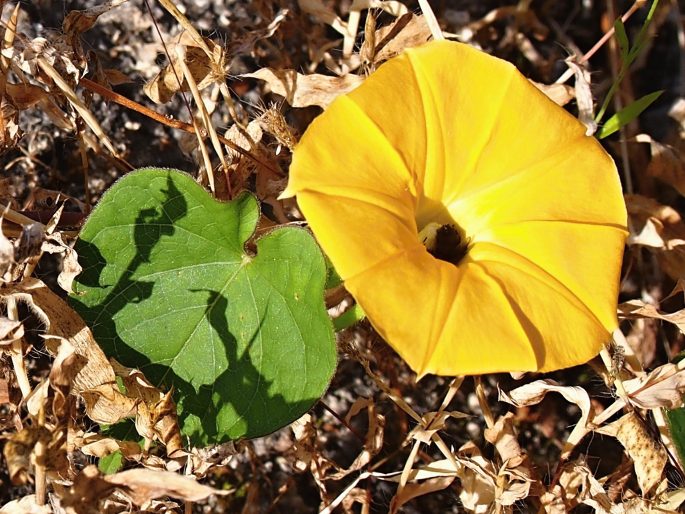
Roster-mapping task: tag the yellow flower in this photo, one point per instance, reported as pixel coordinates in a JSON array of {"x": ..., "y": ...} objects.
[{"x": 472, "y": 219}]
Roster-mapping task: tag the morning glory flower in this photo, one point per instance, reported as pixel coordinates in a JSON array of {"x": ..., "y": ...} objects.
[{"x": 471, "y": 218}]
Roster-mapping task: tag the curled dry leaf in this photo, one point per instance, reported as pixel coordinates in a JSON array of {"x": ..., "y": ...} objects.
[
  {"x": 635, "y": 309},
  {"x": 142, "y": 485},
  {"x": 37, "y": 400},
  {"x": 503, "y": 436},
  {"x": 415, "y": 489},
  {"x": 205, "y": 69},
  {"x": 25, "y": 96},
  {"x": 305, "y": 90},
  {"x": 138, "y": 485},
  {"x": 10, "y": 331},
  {"x": 584, "y": 97},
  {"x": 246, "y": 138},
  {"x": 667, "y": 163},
  {"x": 76, "y": 22},
  {"x": 64, "y": 369},
  {"x": 560, "y": 94},
  {"x": 478, "y": 485},
  {"x": 70, "y": 269},
  {"x": 95, "y": 382},
  {"x": 156, "y": 414},
  {"x": 245, "y": 44},
  {"x": 96, "y": 445},
  {"x": 577, "y": 485},
  {"x": 514, "y": 478},
  {"x": 649, "y": 456},
  {"x": 373, "y": 441},
  {"x": 533, "y": 393},
  {"x": 660, "y": 228},
  {"x": 408, "y": 31},
  {"x": 662, "y": 387},
  {"x": 320, "y": 11},
  {"x": 480, "y": 491}
]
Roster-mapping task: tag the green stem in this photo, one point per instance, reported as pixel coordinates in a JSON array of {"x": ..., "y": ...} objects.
[{"x": 348, "y": 318}]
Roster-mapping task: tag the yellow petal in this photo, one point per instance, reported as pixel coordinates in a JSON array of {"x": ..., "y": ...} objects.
[{"x": 447, "y": 134}]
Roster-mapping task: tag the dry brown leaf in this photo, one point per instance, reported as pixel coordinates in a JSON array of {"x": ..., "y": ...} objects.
[
  {"x": 560, "y": 94},
  {"x": 305, "y": 90},
  {"x": 84, "y": 495},
  {"x": 322, "y": 13},
  {"x": 246, "y": 138},
  {"x": 503, "y": 436},
  {"x": 246, "y": 43},
  {"x": 649, "y": 456},
  {"x": 17, "y": 452},
  {"x": 513, "y": 485},
  {"x": 478, "y": 482},
  {"x": 660, "y": 228},
  {"x": 25, "y": 505},
  {"x": 70, "y": 269},
  {"x": 95, "y": 381},
  {"x": 584, "y": 97},
  {"x": 10, "y": 330},
  {"x": 407, "y": 31},
  {"x": 142, "y": 485},
  {"x": 416, "y": 489},
  {"x": 66, "y": 366},
  {"x": 205, "y": 69},
  {"x": 373, "y": 441},
  {"x": 156, "y": 414},
  {"x": 25, "y": 96},
  {"x": 76, "y": 22},
  {"x": 577, "y": 485},
  {"x": 662, "y": 387},
  {"x": 37, "y": 400},
  {"x": 667, "y": 163},
  {"x": 638, "y": 309},
  {"x": 435, "y": 421},
  {"x": 97, "y": 445},
  {"x": 533, "y": 393}
]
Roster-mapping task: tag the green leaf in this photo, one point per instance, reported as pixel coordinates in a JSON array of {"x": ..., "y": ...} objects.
[
  {"x": 169, "y": 287},
  {"x": 332, "y": 277},
  {"x": 622, "y": 38},
  {"x": 675, "y": 419},
  {"x": 627, "y": 114},
  {"x": 628, "y": 56},
  {"x": 111, "y": 463},
  {"x": 643, "y": 35}
]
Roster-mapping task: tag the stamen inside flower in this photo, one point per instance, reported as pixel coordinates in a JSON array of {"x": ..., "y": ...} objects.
[{"x": 444, "y": 242}]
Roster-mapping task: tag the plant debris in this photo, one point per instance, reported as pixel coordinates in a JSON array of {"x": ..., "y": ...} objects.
[{"x": 90, "y": 90}]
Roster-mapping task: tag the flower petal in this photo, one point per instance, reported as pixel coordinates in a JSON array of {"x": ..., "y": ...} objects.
[
  {"x": 494, "y": 313},
  {"x": 367, "y": 185}
]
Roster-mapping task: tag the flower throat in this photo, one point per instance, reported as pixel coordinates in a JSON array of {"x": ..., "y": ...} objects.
[{"x": 445, "y": 242}]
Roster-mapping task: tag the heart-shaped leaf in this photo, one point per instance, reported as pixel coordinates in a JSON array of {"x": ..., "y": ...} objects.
[{"x": 168, "y": 286}]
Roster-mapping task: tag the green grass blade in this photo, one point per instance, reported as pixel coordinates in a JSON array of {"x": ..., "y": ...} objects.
[{"x": 627, "y": 114}]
